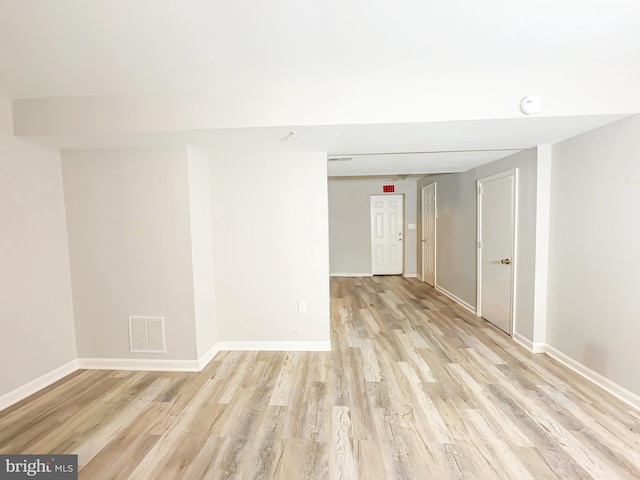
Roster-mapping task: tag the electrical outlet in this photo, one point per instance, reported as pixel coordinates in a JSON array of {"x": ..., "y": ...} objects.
[{"x": 302, "y": 306}]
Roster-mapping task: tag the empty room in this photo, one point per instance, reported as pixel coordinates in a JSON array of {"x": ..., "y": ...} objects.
[{"x": 319, "y": 240}]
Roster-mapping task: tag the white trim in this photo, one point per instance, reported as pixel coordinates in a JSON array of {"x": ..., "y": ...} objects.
[
  {"x": 516, "y": 255},
  {"x": 34, "y": 386},
  {"x": 456, "y": 299},
  {"x": 204, "y": 360},
  {"x": 276, "y": 346},
  {"x": 419, "y": 277},
  {"x": 435, "y": 235},
  {"x": 410, "y": 275},
  {"x": 435, "y": 231},
  {"x": 478, "y": 247},
  {"x": 351, "y": 274},
  {"x": 613, "y": 388},
  {"x": 528, "y": 344},
  {"x": 514, "y": 212},
  {"x": 136, "y": 364},
  {"x": 143, "y": 364}
]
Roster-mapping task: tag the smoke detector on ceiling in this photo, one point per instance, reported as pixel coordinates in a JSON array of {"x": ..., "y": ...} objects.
[{"x": 530, "y": 104}]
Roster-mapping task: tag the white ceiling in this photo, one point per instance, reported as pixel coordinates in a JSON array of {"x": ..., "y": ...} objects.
[
  {"x": 80, "y": 47},
  {"x": 69, "y": 48}
]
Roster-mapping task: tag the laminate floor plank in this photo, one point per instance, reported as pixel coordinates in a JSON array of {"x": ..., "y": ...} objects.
[{"x": 415, "y": 387}]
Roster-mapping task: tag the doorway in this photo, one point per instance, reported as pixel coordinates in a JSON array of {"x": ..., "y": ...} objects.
[
  {"x": 429, "y": 215},
  {"x": 387, "y": 243},
  {"x": 496, "y": 246}
]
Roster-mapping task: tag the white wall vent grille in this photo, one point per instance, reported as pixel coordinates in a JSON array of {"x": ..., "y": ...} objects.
[{"x": 146, "y": 335}]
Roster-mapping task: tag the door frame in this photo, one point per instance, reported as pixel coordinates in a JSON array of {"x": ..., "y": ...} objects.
[
  {"x": 435, "y": 232},
  {"x": 514, "y": 215},
  {"x": 402, "y": 250}
]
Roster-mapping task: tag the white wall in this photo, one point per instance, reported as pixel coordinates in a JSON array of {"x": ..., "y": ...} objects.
[
  {"x": 129, "y": 240},
  {"x": 541, "y": 268},
  {"x": 202, "y": 250},
  {"x": 350, "y": 224},
  {"x": 36, "y": 312},
  {"x": 271, "y": 247},
  {"x": 456, "y": 233},
  {"x": 594, "y": 259}
]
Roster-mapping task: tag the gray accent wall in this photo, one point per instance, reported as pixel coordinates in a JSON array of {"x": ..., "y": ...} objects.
[
  {"x": 456, "y": 235},
  {"x": 130, "y": 247},
  {"x": 594, "y": 251},
  {"x": 350, "y": 224}
]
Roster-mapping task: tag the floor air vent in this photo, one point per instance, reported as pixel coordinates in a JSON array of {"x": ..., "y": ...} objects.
[{"x": 146, "y": 335}]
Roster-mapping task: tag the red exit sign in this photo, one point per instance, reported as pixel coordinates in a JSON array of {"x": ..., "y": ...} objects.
[{"x": 388, "y": 188}]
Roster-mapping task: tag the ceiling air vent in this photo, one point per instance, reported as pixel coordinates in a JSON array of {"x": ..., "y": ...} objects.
[{"x": 146, "y": 335}]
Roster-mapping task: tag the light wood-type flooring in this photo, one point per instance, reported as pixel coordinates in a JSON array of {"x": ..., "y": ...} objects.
[{"x": 415, "y": 387}]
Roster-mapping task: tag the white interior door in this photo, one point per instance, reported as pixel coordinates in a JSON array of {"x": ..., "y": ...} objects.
[
  {"x": 386, "y": 234},
  {"x": 429, "y": 234},
  {"x": 496, "y": 229}
]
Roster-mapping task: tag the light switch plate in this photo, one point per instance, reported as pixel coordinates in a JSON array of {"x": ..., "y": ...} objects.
[{"x": 412, "y": 226}]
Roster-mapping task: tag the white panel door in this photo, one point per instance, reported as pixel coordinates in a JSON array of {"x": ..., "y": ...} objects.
[
  {"x": 429, "y": 234},
  {"x": 386, "y": 234},
  {"x": 496, "y": 213}
]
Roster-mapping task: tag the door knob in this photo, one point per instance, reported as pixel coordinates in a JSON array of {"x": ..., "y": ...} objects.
[{"x": 505, "y": 261}]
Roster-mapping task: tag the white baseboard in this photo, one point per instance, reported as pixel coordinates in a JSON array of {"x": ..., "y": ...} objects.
[
  {"x": 411, "y": 275},
  {"x": 143, "y": 364},
  {"x": 207, "y": 357},
  {"x": 38, "y": 384},
  {"x": 277, "y": 346},
  {"x": 53, "y": 376},
  {"x": 351, "y": 274},
  {"x": 528, "y": 344},
  {"x": 613, "y": 388},
  {"x": 456, "y": 299}
]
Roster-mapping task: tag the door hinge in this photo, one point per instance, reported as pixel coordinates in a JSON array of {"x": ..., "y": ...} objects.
[
  {"x": 480, "y": 244},
  {"x": 479, "y": 189}
]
